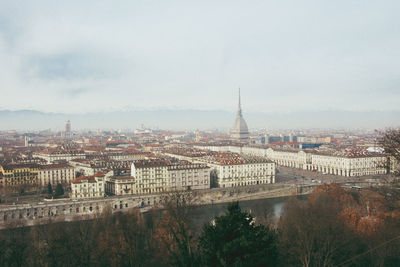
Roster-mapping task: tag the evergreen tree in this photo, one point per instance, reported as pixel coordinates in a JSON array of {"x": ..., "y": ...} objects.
[
  {"x": 235, "y": 240},
  {"x": 49, "y": 189},
  {"x": 59, "y": 190}
]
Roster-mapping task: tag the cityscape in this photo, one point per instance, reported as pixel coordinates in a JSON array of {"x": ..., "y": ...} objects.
[{"x": 138, "y": 140}]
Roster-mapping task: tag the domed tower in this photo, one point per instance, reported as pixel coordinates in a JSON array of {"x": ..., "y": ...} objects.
[{"x": 239, "y": 130}]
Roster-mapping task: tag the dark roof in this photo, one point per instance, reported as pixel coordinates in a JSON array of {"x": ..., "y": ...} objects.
[
  {"x": 55, "y": 166},
  {"x": 150, "y": 163},
  {"x": 20, "y": 166}
]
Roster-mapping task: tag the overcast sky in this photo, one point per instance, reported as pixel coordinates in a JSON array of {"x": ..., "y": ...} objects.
[{"x": 81, "y": 56}]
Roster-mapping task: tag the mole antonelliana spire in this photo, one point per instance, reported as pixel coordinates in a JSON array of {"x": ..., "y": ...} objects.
[{"x": 239, "y": 129}]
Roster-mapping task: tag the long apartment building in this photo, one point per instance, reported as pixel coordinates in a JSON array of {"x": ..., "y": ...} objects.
[
  {"x": 60, "y": 155},
  {"x": 343, "y": 163},
  {"x": 232, "y": 168},
  {"x": 90, "y": 167},
  {"x": 56, "y": 174},
  {"x": 127, "y": 156},
  {"x": 338, "y": 163},
  {"x": 156, "y": 176},
  {"x": 19, "y": 174},
  {"x": 348, "y": 165},
  {"x": 120, "y": 185}
]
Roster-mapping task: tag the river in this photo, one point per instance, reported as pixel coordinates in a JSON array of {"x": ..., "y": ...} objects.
[{"x": 272, "y": 207}]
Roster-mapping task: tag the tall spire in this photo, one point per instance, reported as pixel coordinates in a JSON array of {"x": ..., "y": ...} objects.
[
  {"x": 240, "y": 106},
  {"x": 239, "y": 131}
]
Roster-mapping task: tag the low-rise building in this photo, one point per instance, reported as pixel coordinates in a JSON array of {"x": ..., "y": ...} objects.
[
  {"x": 120, "y": 185},
  {"x": 88, "y": 186}
]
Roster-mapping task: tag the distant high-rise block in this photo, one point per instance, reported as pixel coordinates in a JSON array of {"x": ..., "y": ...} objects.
[{"x": 68, "y": 129}]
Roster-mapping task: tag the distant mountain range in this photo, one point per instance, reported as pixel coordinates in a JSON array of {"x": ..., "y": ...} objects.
[{"x": 188, "y": 119}]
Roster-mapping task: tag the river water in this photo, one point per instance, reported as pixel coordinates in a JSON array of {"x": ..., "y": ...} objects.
[{"x": 271, "y": 207}]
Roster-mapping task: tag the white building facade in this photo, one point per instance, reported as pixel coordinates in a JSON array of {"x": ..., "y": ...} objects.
[
  {"x": 56, "y": 174},
  {"x": 348, "y": 166},
  {"x": 156, "y": 177},
  {"x": 343, "y": 165},
  {"x": 52, "y": 156},
  {"x": 188, "y": 177},
  {"x": 120, "y": 185},
  {"x": 88, "y": 186},
  {"x": 252, "y": 173}
]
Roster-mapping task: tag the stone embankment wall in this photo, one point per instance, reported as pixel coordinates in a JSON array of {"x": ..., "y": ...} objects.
[
  {"x": 67, "y": 210},
  {"x": 251, "y": 192}
]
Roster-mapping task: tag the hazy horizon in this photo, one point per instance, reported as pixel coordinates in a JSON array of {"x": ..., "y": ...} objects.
[{"x": 190, "y": 119}]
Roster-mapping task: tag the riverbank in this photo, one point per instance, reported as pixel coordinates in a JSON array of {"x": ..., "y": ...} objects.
[
  {"x": 34, "y": 213},
  {"x": 252, "y": 193}
]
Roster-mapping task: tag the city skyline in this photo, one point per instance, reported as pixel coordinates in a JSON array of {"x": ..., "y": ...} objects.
[
  {"x": 189, "y": 119},
  {"x": 287, "y": 57}
]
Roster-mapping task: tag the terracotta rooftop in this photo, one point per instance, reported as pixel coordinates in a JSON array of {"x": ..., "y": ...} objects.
[
  {"x": 61, "y": 152},
  {"x": 90, "y": 179}
]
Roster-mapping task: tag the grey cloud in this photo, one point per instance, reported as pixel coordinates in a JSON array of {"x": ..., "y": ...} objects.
[
  {"x": 70, "y": 66},
  {"x": 75, "y": 92}
]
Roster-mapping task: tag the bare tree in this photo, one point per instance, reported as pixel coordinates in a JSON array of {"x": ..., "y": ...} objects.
[
  {"x": 390, "y": 142},
  {"x": 311, "y": 233},
  {"x": 174, "y": 231}
]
